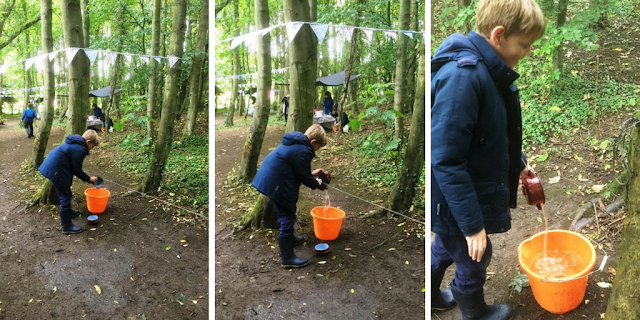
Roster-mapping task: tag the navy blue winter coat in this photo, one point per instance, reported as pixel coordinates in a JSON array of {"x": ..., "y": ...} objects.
[
  {"x": 65, "y": 161},
  {"x": 285, "y": 168},
  {"x": 476, "y": 138},
  {"x": 28, "y": 115}
]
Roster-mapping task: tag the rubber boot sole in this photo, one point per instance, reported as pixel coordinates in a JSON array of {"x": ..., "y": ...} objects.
[{"x": 289, "y": 266}]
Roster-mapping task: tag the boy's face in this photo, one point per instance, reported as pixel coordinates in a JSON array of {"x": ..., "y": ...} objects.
[{"x": 511, "y": 49}]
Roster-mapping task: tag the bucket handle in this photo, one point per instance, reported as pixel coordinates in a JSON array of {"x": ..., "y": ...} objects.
[{"x": 602, "y": 264}]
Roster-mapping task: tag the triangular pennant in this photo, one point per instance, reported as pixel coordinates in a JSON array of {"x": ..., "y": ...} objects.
[
  {"x": 347, "y": 32},
  {"x": 293, "y": 28},
  {"x": 157, "y": 58},
  {"x": 369, "y": 34},
  {"x": 4, "y": 68},
  {"x": 267, "y": 30},
  {"x": 172, "y": 61},
  {"x": 28, "y": 63},
  {"x": 408, "y": 34},
  {"x": 236, "y": 42},
  {"x": 391, "y": 34},
  {"x": 320, "y": 30},
  {"x": 145, "y": 58},
  {"x": 112, "y": 56},
  {"x": 127, "y": 56},
  {"x": 71, "y": 53},
  {"x": 53, "y": 55},
  {"x": 91, "y": 54}
]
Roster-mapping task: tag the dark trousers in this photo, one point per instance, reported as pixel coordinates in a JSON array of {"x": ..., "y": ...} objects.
[
  {"x": 470, "y": 275},
  {"x": 287, "y": 219},
  {"x": 28, "y": 126},
  {"x": 285, "y": 118},
  {"x": 64, "y": 193}
]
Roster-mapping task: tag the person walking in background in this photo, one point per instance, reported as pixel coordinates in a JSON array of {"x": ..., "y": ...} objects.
[
  {"x": 476, "y": 149},
  {"x": 28, "y": 116},
  {"x": 285, "y": 107},
  {"x": 327, "y": 103}
]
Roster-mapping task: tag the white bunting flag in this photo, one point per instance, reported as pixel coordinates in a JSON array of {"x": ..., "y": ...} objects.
[
  {"x": 91, "y": 54},
  {"x": 320, "y": 30},
  {"x": 127, "y": 56},
  {"x": 267, "y": 30},
  {"x": 408, "y": 34},
  {"x": 145, "y": 58},
  {"x": 369, "y": 34},
  {"x": 112, "y": 56},
  {"x": 71, "y": 53},
  {"x": 4, "y": 68},
  {"x": 293, "y": 28},
  {"x": 237, "y": 41},
  {"x": 172, "y": 61},
  {"x": 28, "y": 63},
  {"x": 157, "y": 58},
  {"x": 53, "y": 55},
  {"x": 391, "y": 34},
  {"x": 347, "y": 32}
]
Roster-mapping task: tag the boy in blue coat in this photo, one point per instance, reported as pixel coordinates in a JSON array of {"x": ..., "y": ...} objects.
[
  {"x": 28, "y": 116},
  {"x": 279, "y": 178},
  {"x": 64, "y": 162},
  {"x": 476, "y": 140}
]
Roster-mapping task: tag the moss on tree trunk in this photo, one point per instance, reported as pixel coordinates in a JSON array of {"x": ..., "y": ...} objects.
[{"x": 263, "y": 215}]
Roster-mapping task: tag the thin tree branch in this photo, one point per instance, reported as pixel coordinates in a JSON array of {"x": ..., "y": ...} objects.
[
  {"x": 13, "y": 36},
  {"x": 220, "y": 5}
]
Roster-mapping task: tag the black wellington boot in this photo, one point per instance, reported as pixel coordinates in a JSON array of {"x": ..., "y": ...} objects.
[
  {"x": 440, "y": 299},
  {"x": 298, "y": 240},
  {"x": 473, "y": 307},
  {"x": 288, "y": 258},
  {"x": 68, "y": 226},
  {"x": 76, "y": 213}
]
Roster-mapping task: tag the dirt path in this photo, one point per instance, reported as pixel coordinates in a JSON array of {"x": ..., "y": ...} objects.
[
  {"x": 48, "y": 275},
  {"x": 375, "y": 268}
]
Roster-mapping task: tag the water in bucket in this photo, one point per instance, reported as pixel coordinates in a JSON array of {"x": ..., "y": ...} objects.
[{"x": 558, "y": 264}]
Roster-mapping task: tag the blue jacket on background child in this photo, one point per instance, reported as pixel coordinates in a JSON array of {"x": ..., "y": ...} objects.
[
  {"x": 280, "y": 175},
  {"x": 28, "y": 116}
]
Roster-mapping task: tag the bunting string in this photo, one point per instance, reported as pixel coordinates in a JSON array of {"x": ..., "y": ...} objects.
[{"x": 319, "y": 30}]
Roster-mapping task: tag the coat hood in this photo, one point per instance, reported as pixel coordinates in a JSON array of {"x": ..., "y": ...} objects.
[
  {"x": 77, "y": 139},
  {"x": 455, "y": 43},
  {"x": 290, "y": 138}
]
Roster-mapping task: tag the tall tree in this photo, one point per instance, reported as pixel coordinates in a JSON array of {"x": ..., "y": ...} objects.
[
  {"x": 558, "y": 53},
  {"x": 402, "y": 195},
  {"x": 5, "y": 12},
  {"x": 195, "y": 87},
  {"x": 27, "y": 74},
  {"x": 302, "y": 67},
  {"x": 85, "y": 22},
  {"x": 228, "y": 120},
  {"x": 40, "y": 144},
  {"x": 153, "y": 68},
  {"x": 165, "y": 128},
  {"x": 251, "y": 151},
  {"x": 400, "y": 80}
]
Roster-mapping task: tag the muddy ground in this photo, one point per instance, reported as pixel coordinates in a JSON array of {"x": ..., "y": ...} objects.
[
  {"x": 48, "y": 275},
  {"x": 376, "y": 267}
]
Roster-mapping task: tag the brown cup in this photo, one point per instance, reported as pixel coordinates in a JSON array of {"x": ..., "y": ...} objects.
[{"x": 533, "y": 189}]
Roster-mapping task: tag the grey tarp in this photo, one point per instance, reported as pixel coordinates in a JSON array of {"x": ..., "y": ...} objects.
[
  {"x": 102, "y": 92},
  {"x": 335, "y": 79}
]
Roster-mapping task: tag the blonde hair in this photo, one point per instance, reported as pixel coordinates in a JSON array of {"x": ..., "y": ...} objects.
[
  {"x": 92, "y": 136},
  {"x": 516, "y": 16},
  {"x": 317, "y": 132}
]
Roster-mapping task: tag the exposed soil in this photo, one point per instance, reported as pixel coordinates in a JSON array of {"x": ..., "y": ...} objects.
[
  {"x": 48, "y": 275},
  {"x": 376, "y": 267},
  {"x": 580, "y": 166}
]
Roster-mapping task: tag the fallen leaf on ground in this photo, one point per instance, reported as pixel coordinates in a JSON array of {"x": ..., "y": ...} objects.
[
  {"x": 167, "y": 248},
  {"x": 353, "y": 291},
  {"x": 97, "y": 289},
  {"x": 604, "y": 284}
]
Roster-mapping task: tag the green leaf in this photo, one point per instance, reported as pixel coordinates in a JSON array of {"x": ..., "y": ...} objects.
[
  {"x": 519, "y": 281},
  {"x": 180, "y": 297},
  {"x": 543, "y": 157},
  {"x": 145, "y": 142},
  {"x": 539, "y": 219},
  {"x": 555, "y": 108}
]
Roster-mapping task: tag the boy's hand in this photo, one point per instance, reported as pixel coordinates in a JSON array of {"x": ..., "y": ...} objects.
[
  {"x": 92, "y": 179},
  {"x": 523, "y": 175},
  {"x": 316, "y": 172},
  {"x": 321, "y": 186},
  {"x": 477, "y": 244}
]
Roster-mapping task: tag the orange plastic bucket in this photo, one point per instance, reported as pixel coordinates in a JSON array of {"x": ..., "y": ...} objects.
[
  {"x": 326, "y": 224},
  {"x": 97, "y": 199},
  {"x": 563, "y": 294}
]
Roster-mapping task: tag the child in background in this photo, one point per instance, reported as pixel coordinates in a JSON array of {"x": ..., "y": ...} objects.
[
  {"x": 476, "y": 140},
  {"x": 279, "y": 178},
  {"x": 28, "y": 116}
]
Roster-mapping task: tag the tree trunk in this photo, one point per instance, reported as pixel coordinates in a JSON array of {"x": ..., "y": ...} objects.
[
  {"x": 347, "y": 75},
  {"x": 302, "y": 68},
  {"x": 78, "y": 71},
  {"x": 85, "y": 22},
  {"x": 153, "y": 68},
  {"x": 400, "y": 81},
  {"x": 198, "y": 60},
  {"x": 40, "y": 144},
  {"x": 228, "y": 121},
  {"x": 114, "y": 79},
  {"x": 463, "y": 4},
  {"x": 27, "y": 74},
  {"x": 165, "y": 128},
  {"x": 402, "y": 195},
  {"x": 251, "y": 151},
  {"x": 263, "y": 215},
  {"x": 413, "y": 52},
  {"x": 558, "y": 53}
]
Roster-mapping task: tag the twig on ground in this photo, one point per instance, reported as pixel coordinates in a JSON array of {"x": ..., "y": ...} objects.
[
  {"x": 616, "y": 220},
  {"x": 382, "y": 243},
  {"x": 581, "y": 212},
  {"x": 595, "y": 210}
]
